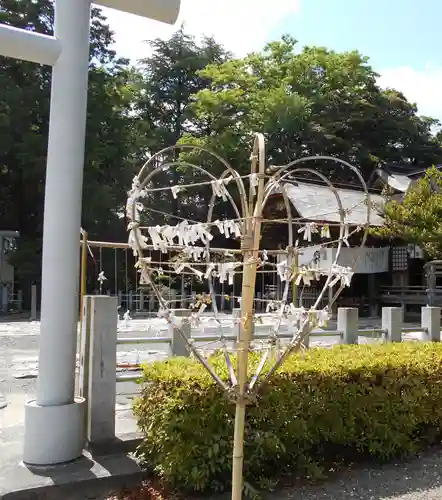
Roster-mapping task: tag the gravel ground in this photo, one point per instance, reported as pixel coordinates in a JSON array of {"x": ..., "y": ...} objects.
[{"x": 417, "y": 479}]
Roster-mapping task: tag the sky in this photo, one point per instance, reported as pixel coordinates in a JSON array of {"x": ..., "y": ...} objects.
[{"x": 399, "y": 36}]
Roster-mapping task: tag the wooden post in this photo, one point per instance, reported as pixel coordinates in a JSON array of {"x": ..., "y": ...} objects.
[{"x": 250, "y": 246}]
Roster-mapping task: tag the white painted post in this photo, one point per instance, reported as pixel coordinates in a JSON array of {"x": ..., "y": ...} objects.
[
  {"x": 33, "y": 302},
  {"x": 54, "y": 430},
  {"x": 348, "y": 324},
  {"x": 178, "y": 346},
  {"x": 430, "y": 320},
  {"x": 56, "y": 412},
  {"x": 392, "y": 318},
  {"x": 102, "y": 370}
]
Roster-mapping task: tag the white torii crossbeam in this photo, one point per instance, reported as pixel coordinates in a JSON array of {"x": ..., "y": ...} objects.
[{"x": 54, "y": 421}]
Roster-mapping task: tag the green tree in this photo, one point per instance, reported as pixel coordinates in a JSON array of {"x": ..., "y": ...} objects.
[
  {"x": 170, "y": 78},
  {"x": 417, "y": 218},
  {"x": 309, "y": 102},
  {"x": 24, "y": 116}
]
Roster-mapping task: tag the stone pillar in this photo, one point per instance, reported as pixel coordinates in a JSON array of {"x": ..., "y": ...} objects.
[
  {"x": 348, "y": 324},
  {"x": 430, "y": 320},
  {"x": 392, "y": 318},
  {"x": 178, "y": 345},
  {"x": 102, "y": 370}
]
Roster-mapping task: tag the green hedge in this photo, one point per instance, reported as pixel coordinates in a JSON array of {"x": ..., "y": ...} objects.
[{"x": 379, "y": 401}]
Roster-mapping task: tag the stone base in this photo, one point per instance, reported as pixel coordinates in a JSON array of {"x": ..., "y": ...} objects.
[{"x": 54, "y": 434}]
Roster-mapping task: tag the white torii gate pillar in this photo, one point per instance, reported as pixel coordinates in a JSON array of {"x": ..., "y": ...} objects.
[{"x": 54, "y": 429}]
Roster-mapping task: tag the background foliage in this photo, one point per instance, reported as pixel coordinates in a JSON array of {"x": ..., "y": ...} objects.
[
  {"x": 417, "y": 217},
  {"x": 306, "y": 100}
]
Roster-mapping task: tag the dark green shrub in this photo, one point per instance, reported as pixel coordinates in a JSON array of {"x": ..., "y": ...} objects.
[{"x": 377, "y": 401}]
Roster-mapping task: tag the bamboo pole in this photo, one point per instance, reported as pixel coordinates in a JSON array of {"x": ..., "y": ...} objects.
[
  {"x": 250, "y": 248},
  {"x": 112, "y": 244}
]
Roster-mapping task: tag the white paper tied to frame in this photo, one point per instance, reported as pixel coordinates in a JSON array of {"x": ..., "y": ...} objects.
[
  {"x": 284, "y": 270},
  {"x": 254, "y": 181},
  {"x": 305, "y": 276},
  {"x": 175, "y": 190},
  {"x": 136, "y": 238},
  {"x": 195, "y": 253},
  {"x": 341, "y": 274},
  {"x": 311, "y": 228},
  {"x": 101, "y": 277},
  {"x": 228, "y": 228},
  {"x": 325, "y": 232},
  {"x": 226, "y": 271},
  {"x": 308, "y": 230},
  {"x": 210, "y": 270},
  {"x": 185, "y": 234},
  {"x": 219, "y": 187}
]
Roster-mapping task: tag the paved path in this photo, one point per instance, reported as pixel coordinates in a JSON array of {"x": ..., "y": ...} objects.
[{"x": 416, "y": 480}]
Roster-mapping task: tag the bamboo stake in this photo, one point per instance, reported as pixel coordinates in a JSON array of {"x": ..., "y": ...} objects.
[{"x": 251, "y": 242}]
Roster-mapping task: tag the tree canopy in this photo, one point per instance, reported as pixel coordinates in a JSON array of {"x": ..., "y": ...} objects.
[
  {"x": 417, "y": 218},
  {"x": 307, "y": 101},
  {"x": 312, "y": 101}
]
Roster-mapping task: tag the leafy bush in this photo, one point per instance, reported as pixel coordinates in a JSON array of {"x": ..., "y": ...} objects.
[{"x": 373, "y": 400}]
